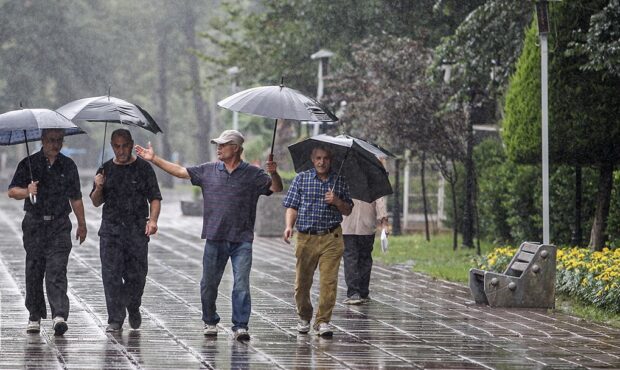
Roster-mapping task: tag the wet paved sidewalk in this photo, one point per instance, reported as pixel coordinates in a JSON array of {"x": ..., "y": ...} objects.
[{"x": 411, "y": 322}]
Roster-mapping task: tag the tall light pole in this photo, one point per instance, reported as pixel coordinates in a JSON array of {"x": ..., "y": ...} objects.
[
  {"x": 232, "y": 72},
  {"x": 542, "y": 8},
  {"x": 323, "y": 56}
]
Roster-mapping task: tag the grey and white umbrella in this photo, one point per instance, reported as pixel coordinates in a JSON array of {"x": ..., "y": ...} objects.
[
  {"x": 278, "y": 102},
  {"x": 26, "y": 125},
  {"x": 109, "y": 109},
  {"x": 357, "y": 162}
]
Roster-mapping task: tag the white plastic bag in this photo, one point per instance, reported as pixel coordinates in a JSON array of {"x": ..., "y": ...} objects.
[{"x": 384, "y": 241}]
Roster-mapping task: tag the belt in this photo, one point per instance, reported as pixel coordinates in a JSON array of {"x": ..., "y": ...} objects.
[
  {"x": 320, "y": 232},
  {"x": 44, "y": 217}
]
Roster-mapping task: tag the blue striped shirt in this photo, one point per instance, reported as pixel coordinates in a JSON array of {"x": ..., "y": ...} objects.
[
  {"x": 307, "y": 196},
  {"x": 229, "y": 199}
]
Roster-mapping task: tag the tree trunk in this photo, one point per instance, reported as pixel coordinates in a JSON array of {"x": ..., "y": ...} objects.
[
  {"x": 396, "y": 211},
  {"x": 577, "y": 237},
  {"x": 468, "y": 209},
  {"x": 162, "y": 95},
  {"x": 603, "y": 198},
  {"x": 424, "y": 202},
  {"x": 203, "y": 132},
  {"x": 477, "y": 214},
  {"x": 455, "y": 209}
]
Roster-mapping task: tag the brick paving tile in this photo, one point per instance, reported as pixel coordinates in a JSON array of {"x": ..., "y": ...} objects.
[{"x": 411, "y": 321}]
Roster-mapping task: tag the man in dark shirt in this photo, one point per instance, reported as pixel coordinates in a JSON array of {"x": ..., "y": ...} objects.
[
  {"x": 125, "y": 185},
  {"x": 315, "y": 203},
  {"x": 230, "y": 188},
  {"x": 47, "y": 228}
]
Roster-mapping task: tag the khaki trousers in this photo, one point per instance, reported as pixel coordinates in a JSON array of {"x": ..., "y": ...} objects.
[{"x": 324, "y": 251}]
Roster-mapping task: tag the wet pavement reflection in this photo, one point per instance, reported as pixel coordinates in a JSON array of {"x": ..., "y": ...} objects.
[{"x": 410, "y": 322}]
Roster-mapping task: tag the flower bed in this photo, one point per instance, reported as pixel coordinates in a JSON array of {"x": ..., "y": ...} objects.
[{"x": 593, "y": 277}]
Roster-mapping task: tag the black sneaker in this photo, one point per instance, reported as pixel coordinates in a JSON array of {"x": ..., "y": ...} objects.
[
  {"x": 135, "y": 319},
  {"x": 114, "y": 328},
  {"x": 59, "y": 325}
]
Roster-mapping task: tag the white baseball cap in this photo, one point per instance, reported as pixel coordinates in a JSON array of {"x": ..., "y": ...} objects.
[{"x": 229, "y": 136}]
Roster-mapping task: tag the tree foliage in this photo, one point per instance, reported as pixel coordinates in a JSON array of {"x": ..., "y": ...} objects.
[
  {"x": 276, "y": 38},
  {"x": 584, "y": 106},
  {"x": 521, "y": 123},
  {"x": 600, "y": 42},
  {"x": 489, "y": 39},
  {"x": 386, "y": 92}
]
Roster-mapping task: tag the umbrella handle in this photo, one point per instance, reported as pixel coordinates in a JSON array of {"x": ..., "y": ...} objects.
[{"x": 33, "y": 198}]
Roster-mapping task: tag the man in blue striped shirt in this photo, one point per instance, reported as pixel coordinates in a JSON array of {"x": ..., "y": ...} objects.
[
  {"x": 230, "y": 188},
  {"x": 315, "y": 203}
]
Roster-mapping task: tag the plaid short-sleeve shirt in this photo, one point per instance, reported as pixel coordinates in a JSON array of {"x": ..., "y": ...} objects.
[{"x": 307, "y": 196}]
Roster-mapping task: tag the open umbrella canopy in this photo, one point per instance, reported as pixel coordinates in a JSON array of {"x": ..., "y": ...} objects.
[
  {"x": 362, "y": 170},
  {"x": 278, "y": 102},
  {"x": 25, "y": 125},
  {"x": 378, "y": 151},
  {"x": 109, "y": 109}
]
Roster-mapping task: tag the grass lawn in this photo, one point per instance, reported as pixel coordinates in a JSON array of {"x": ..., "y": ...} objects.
[{"x": 437, "y": 259}]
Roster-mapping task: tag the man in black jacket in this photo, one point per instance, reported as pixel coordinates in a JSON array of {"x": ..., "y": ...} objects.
[
  {"x": 47, "y": 228},
  {"x": 127, "y": 187}
]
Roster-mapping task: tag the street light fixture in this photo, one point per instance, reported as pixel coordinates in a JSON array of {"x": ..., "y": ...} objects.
[
  {"x": 542, "y": 7},
  {"x": 323, "y": 56},
  {"x": 233, "y": 72}
]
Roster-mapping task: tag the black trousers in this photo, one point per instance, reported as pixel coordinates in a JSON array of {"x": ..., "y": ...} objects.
[
  {"x": 358, "y": 263},
  {"x": 124, "y": 265},
  {"x": 47, "y": 245}
]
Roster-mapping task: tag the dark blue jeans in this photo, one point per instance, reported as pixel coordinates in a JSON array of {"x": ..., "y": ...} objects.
[
  {"x": 358, "y": 263},
  {"x": 215, "y": 258},
  {"x": 47, "y": 245}
]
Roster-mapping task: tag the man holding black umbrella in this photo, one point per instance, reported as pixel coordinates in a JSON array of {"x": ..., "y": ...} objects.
[
  {"x": 315, "y": 204},
  {"x": 127, "y": 188},
  {"x": 47, "y": 228}
]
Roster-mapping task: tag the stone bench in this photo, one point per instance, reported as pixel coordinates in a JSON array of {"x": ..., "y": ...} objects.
[{"x": 528, "y": 282}]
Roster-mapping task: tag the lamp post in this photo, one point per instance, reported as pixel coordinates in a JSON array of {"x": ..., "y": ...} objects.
[
  {"x": 233, "y": 72},
  {"x": 323, "y": 56},
  {"x": 542, "y": 8}
]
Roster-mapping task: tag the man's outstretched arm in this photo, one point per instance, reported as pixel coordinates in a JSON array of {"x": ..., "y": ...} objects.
[{"x": 174, "y": 169}]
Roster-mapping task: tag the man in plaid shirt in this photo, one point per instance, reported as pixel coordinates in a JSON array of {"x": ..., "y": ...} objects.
[{"x": 316, "y": 202}]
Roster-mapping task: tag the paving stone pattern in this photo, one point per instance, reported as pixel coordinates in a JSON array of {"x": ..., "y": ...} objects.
[{"x": 411, "y": 322}]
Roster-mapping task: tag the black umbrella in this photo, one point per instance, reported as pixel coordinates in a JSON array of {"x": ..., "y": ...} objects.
[
  {"x": 359, "y": 164},
  {"x": 278, "y": 102},
  {"x": 109, "y": 109},
  {"x": 24, "y": 125}
]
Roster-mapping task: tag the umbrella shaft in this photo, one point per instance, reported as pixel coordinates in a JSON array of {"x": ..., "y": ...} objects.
[
  {"x": 340, "y": 169},
  {"x": 273, "y": 139}
]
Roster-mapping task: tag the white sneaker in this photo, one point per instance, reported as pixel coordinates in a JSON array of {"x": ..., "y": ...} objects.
[
  {"x": 242, "y": 334},
  {"x": 210, "y": 330},
  {"x": 325, "y": 330},
  {"x": 353, "y": 300},
  {"x": 303, "y": 326},
  {"x": 59, "y": 325},
  {"x": 33, "y": 326}
]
